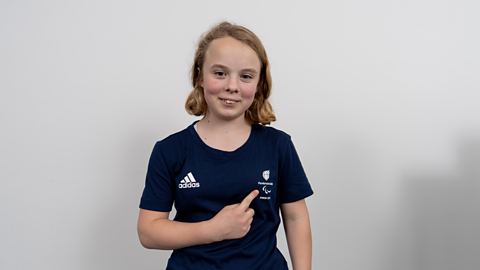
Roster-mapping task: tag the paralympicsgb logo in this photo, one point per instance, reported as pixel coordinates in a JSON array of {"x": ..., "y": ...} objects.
[
  {"x": 266, "y": 175},
  {"x": 266, "y": 186},
  {"x": 189, "y": 182}
]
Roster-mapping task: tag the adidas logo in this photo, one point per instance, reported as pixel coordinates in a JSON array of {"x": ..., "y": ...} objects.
[{"x": 189, "y": 182}]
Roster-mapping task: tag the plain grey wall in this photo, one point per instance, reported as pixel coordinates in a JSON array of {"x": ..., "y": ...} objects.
[{"x": 381, "y": 99}]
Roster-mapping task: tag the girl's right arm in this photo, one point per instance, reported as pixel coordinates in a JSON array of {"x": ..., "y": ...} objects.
[{"x": 156, "y": 231}]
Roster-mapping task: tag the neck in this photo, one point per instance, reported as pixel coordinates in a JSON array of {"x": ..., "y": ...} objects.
[
  {"x": 224, "y": 135},
  {"x": 220, "y": 126}
]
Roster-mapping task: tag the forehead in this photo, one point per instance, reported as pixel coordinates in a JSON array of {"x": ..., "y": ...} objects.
[{"x": 229, "y": 51}]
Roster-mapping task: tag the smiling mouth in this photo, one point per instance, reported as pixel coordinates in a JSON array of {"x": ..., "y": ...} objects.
[{"x": 229, "y": 101}]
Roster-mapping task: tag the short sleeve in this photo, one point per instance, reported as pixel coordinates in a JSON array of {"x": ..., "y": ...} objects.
[
  {"x": 159, "y": 184},
  {"x": 294, "y": 184}
]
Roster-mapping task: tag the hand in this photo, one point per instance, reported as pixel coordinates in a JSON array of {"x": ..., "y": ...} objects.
[{"x": 234, "y": 221}]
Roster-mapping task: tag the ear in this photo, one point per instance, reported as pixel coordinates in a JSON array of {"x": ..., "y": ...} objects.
[{"x": 200, "y": 77}]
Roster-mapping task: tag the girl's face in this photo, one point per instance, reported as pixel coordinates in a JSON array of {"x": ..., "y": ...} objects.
[{"x": 231, "y": 72}]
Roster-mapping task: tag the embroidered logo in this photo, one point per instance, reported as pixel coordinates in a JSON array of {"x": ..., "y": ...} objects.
[
  {"x": 189, "y": 182},
  {"x": 266, "y": 175},
  {"x": 265, "y": 188}
]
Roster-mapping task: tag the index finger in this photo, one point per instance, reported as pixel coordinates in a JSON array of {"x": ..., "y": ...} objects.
[{"x": 248, "y": 200}]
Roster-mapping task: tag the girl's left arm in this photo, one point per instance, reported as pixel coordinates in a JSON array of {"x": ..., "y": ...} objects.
[{"x": 299, "y": 236}]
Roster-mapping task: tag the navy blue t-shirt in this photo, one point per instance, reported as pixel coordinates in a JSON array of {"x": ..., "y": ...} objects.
[{"x": 202, "y": 180}]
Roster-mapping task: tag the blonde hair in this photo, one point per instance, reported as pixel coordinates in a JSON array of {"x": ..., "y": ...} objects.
[{"x": 261, "y": 111}]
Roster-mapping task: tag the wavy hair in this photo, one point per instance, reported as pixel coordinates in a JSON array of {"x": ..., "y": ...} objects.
[{"x": 261, "y": 111}]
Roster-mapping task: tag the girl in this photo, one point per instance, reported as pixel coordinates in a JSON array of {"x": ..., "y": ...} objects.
[{"x": 228, "y": 173}]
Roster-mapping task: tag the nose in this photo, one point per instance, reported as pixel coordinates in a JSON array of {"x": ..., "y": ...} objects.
[{"x": 232, "y": 86}]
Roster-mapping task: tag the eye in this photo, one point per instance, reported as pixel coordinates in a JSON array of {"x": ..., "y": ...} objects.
[
  {"x": 246, "y": 77},
  {"x": 220, "y": 73}
]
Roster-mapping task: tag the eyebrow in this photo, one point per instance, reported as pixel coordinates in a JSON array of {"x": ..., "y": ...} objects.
[{"x": 251, "y": 70}]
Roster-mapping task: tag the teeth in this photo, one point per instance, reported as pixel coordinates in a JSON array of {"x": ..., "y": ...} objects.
[{"x": 229, "y": 101}]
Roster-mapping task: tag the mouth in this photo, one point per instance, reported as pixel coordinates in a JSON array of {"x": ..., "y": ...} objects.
[{"x": 229, "y": 101}]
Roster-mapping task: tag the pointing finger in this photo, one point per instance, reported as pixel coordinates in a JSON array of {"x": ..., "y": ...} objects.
[{"x": 246, "y": 202}]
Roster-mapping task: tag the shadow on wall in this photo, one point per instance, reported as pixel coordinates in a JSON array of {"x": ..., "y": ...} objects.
[{"x": 443, "y": 215}]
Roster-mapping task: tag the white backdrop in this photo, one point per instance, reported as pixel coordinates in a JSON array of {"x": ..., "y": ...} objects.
[{"x": 382, "y": 99}]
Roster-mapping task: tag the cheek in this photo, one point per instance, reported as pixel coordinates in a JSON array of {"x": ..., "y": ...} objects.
[
  {"x": 210, "y": 91},
  {"x": 212, "y": 87},
  {"x": 249, "y": 92}
]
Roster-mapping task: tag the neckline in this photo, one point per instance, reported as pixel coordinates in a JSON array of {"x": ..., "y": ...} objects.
[{"x": 215, "y": 151}]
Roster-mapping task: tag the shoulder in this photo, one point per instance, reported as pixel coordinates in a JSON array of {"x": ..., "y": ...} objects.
[
  {"x": 271, "y": 133},
  {"x": 173, "y": 146},
  {"x": 175, "y": 138}
]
